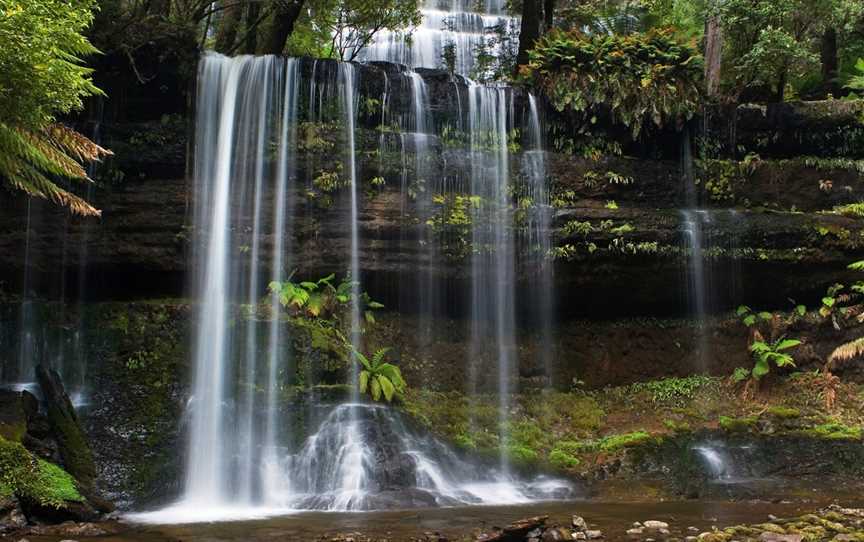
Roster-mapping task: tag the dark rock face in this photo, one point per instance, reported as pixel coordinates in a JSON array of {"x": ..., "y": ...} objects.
[{"x": 73, "y": 445}]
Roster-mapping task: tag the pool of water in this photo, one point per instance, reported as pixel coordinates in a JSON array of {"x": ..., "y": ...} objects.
[{"x": 460, "y": 523}]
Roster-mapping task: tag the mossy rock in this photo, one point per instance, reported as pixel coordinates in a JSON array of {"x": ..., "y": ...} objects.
[
  {"x": 35, "y": 480},
  {"x": 784, "y": 413},
  {"x": 737, "y": 425}
]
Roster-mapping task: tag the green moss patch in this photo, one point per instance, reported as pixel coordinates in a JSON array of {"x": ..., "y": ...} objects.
[
  {"x": 738, "y": 425},
  {"x": 33, "y": 479}
]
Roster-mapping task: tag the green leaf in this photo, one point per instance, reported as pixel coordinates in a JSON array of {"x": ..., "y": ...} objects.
[
  {"x": 393, "y": 373},
  {"x": 749, "y": 320},
  {"x": 761, "y": 369},
  {"x": 386, "y": 387},
  {"x": 828, "y": 301},
  {"x": 742, "y": 310},
  {"x": 375, "y": 305},
  {"x": 375, "y": 388},
  {"x": 370, "y": 318},
  {"x": 857, "y": 266},
  {"x": 315, "y": 304},
  {"x": 364, "y": 381},
  {"x": 309, "y": 286},
  {"x": 801, "y": 310},
  {"x": 786, "y": 344}
]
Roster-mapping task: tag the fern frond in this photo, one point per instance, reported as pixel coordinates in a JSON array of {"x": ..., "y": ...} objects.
[
  {"x": 74, "y": 144},
  {"x": 30, "y": 162},
  {"x": 847, "y": 351},
  {"x": 378, "y": 357}
]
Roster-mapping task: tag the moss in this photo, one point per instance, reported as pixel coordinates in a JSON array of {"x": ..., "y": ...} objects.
[
  {"x": 521, "y": 455},
  {"x": 737, "y": 425},
  {"x": 831, "y": 431},
  {"x": 626, "y": 440},
  {"x": 33, "y": 479},
  {"x": 783, "y": 412},
  {"x": 560, "y": 459}
]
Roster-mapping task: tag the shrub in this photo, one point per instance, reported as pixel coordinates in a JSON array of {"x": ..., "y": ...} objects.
[{"x": 638, "y": 77}]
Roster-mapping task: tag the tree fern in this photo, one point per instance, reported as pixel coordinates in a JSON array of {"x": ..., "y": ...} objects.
[{"x": 34, "y": 160}]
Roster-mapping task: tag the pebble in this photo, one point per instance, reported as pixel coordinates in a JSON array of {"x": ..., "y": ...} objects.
[
  {"x": 593, "y": 535},
  {"x": 690, "y": 539},
  {"x": 655, "y": 525},
  {"x": 635, "y": 531},
  {"x": 579, "y": 536},
  {"x": 693, "y": 529},
  {"x": 579, "y": 523}
]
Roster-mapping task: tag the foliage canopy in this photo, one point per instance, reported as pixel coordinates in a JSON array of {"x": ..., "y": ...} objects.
[{"x": 42, "y": 76}]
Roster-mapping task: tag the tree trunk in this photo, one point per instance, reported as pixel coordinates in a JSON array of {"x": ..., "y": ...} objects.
[
  {"x": 713, "y": 54},
  {"x": 548, "y": 14},
  {"x": 782, "y": 75},
  {"x": 281, "y": 26},
  {"x": 532, "y": 27},
  {"x": 227, "y": 32},
  {"x": 250, "y": 45},
  {"x": 829, "y": 62}
]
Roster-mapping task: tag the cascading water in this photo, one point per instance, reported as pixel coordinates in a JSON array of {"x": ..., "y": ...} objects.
[
  {"x": 539, "y": 242},
  {"x": 711, "y": 275},
  {"x": 708, "y": 283},
  {"x": 246, "y": 457},
  {"x": 459, "y": 25},
  {"x": 493, "y": 258}
]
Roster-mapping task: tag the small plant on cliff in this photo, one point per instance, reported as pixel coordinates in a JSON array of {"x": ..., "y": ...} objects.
[
  {"x": 321, "y": 299},
  {"x": 379, "y": 378},
  {"x": 772, "y": 353}
]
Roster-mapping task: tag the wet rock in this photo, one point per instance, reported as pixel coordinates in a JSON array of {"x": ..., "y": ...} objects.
[
  {"x": 654, "y": 525},
  {"x": 579, "y": 536},
  {"x": 593, "y": 535},
  {"x": 769, "y": 536},
  {"x": 71, "y": 439},
  {"x": 11, "y": 516},
  {"x": 579, "y": 523},
  {"x": 635, "y": 531},
  {"x": 556, "y": 533},
  {"x": 516, "y": 531}
]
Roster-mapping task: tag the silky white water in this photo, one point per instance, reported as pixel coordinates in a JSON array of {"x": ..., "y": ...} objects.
[{"x": 246, "y": 456}]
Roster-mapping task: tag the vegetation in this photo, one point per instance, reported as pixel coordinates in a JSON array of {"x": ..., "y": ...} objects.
[
  {"x": 379, "y": 378},
  {"x": 34, "y": 479},
  {"x": 42, "y": 77},
  {"x": 321, "y": 299},
  {"x": 640, "y": 78}
]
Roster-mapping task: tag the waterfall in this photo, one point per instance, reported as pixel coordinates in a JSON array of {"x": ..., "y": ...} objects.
[
  {"x": 459, "y": 25},
  {"x": 239, "y": 103},
  {"x": 251, "y": 451},
  {"x": 492, "y": 261},
  {"x": 539, "y": 239},
  {"x": 714, "y": 461},
  {"x": 711, "y": 269}
]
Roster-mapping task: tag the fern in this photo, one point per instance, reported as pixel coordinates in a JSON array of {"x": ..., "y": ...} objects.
[
  {"x": 847, "y": 351},
  {"x": 33, "y": 160}
]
